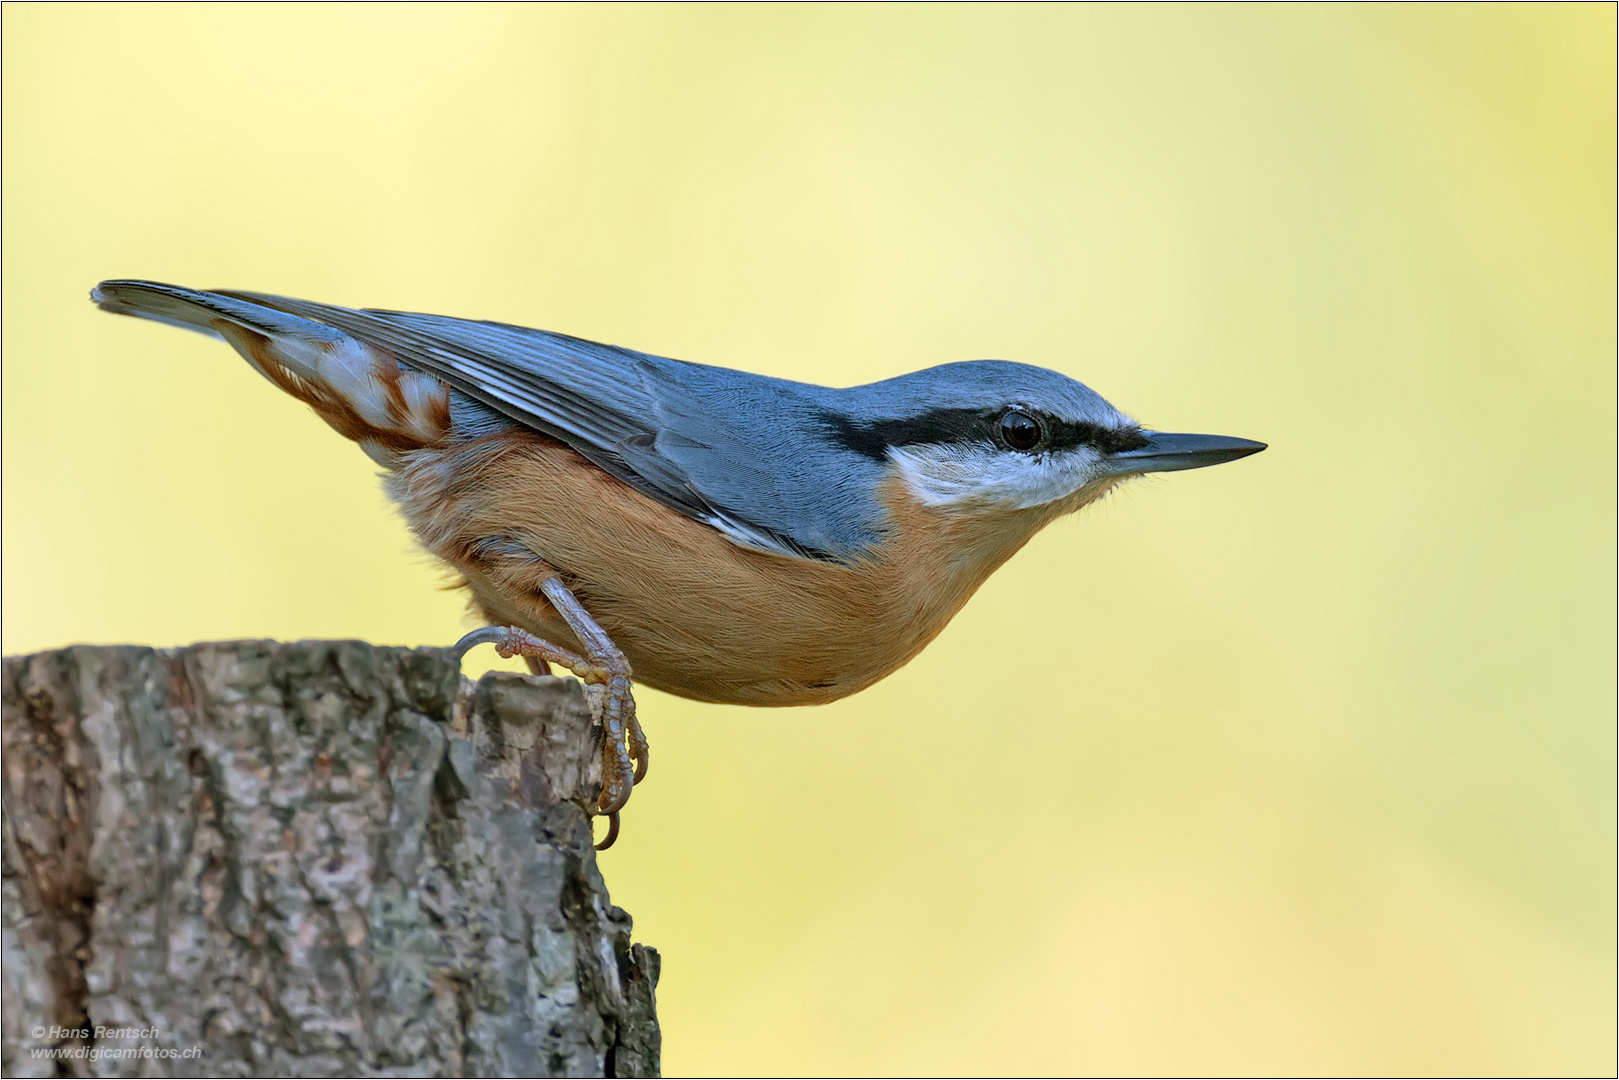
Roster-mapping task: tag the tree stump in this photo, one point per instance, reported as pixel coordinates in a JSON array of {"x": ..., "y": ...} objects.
[{"x": 311, "y": 859}]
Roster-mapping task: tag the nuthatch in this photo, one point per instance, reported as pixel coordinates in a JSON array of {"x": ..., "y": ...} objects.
[{"x": 728, "y": 537}]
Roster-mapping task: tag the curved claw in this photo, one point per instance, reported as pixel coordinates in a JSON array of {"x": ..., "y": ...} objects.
[
  {"x": 612, "y": 832},
  {"x": 613, "y": 798},
  {"x": 488, "y": 635}
]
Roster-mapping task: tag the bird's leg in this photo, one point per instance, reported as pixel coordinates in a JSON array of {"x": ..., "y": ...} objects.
[
  {"x": 622, "y": 738},
  {"x": 602, "y": 665}
]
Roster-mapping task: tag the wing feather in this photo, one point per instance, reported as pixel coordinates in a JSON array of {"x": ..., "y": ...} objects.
[{"x": 628, "y": 412}]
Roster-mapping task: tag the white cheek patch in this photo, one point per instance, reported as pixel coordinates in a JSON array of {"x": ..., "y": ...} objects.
[{"x": 980, "y": 477}]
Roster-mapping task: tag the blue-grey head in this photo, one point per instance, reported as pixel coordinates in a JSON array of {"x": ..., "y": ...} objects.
[{"x": 989, "y": 435}]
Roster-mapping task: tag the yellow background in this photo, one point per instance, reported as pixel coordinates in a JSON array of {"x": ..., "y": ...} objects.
[{"x": 1301, "y": 764}]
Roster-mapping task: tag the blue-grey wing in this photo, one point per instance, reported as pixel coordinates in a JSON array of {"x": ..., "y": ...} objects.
[{"x": 738, "y": 452}]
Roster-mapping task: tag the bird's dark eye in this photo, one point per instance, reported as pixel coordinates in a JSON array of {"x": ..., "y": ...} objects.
[{"x": 1020, "y": 430}]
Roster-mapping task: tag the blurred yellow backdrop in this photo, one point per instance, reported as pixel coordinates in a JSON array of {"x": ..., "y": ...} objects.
[{"x": 1300, "y": 765}]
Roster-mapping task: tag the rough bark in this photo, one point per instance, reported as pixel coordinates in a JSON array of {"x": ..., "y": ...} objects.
[{"x": 311, "y": 859}]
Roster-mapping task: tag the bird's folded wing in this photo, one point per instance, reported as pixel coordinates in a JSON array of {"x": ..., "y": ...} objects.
[{"x": 627, "y": 412}]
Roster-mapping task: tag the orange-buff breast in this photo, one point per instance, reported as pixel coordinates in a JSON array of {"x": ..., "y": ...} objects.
[{"x": 695, "y": 614}]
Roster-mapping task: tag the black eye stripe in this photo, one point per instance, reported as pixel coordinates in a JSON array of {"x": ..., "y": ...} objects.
[
  {"x": 942, "y": 427},
  {"x": 1066, "y": 435}
]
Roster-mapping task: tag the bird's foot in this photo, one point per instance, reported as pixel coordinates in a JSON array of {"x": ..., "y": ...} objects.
[{"x": 606, "y": 675}]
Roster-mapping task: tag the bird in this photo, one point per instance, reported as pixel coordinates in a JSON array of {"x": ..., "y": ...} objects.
[{"x": 720, "y": 535}]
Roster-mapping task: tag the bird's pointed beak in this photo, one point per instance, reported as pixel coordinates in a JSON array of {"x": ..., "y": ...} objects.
[{"x": 1167, "y": 452}]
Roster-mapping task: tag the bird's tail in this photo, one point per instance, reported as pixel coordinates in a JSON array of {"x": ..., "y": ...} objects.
[{"x": 356, "y": 387}]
